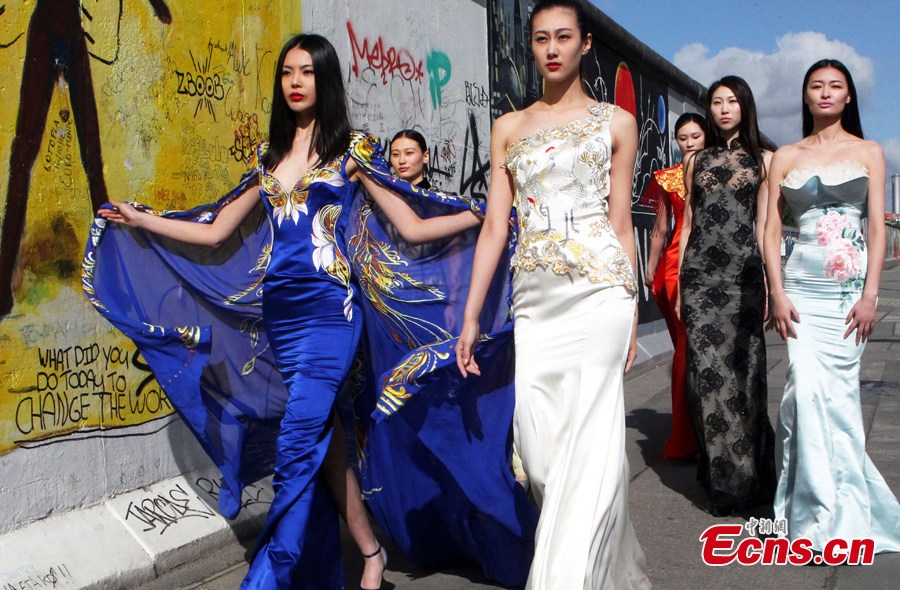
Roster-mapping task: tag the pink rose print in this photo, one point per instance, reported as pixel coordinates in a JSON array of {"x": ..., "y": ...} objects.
[
  {"x": 841, "y": 260},
  {"x": 831, "y": 227},
  {"x": 844, "y": 247}
]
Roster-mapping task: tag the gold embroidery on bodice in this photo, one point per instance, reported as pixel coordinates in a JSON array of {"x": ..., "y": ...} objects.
[{"x": 561, "y": 175}]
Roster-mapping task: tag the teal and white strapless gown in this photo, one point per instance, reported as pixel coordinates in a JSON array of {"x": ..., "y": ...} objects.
[{"x": 828, "y": 487}]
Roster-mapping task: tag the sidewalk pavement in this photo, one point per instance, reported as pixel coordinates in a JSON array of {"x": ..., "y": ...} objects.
[{"x": 665, "y": 497}]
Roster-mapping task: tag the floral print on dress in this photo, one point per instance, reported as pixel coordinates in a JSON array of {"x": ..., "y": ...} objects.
[
  {"x": 327, "y": 256},
  {"x": 844, "y": 248}
]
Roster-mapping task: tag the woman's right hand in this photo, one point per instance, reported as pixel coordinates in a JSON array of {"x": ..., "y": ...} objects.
[
  {"x": 678, "y": 302},
  {"x": 120, "y": 213},
  {"x": 782, "y": 315},
  {"x": 648, "y": 277},
  {"x": 465, "y": 349}
]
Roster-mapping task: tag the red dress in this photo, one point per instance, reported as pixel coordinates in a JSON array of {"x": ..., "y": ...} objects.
[{"x": 668, "y": 185}]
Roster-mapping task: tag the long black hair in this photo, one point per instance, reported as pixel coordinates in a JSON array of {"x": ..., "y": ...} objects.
[
  {"x": 331, "y": 130},
  {"x": 850, "y": 117},
  {"x": 748, "y": 129}
]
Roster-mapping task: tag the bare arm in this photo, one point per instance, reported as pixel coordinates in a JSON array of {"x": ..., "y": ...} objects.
[
  {"x": 623, "y": 129},
  {"x": 658, "y": 236},
  {"x": 190, "y": 232},
  {"x": 863, "y": 314},
  {"x": 782, "y": 313},
  {"x": 762, "y": 200},
  {"x": 413, "y": 228},
  {"x": 624, "y": 137},
  {"x": 491, "y": 244},
  {"x": 687, "y": 222}
]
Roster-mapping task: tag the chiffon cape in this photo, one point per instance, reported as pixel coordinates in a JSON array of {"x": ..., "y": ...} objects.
[{"x": 433, "y": 449}]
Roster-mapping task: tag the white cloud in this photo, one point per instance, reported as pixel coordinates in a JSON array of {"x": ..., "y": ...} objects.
[{"x": 776, "y": 77}]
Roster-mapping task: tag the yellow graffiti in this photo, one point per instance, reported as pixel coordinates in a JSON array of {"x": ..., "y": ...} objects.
[{"x": 182, "y": 93}]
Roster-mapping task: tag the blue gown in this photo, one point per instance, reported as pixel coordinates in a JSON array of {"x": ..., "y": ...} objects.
[
  {"x": 258, "y": 389},
  {"x": 828, "y": 487}
]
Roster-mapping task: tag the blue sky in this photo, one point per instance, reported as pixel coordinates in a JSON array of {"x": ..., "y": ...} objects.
[{"x": 771, "y": 43}]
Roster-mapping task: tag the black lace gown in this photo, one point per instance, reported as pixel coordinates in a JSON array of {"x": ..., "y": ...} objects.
[{"x": 723, "y": 297}]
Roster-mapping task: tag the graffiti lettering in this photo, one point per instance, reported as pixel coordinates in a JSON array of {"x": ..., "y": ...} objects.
[
  {"x": 58, "y": 157},
  {"x": 51, "y": 410},
  {"x": 200, "y": 149},
  {"x": 442, "y": 162},
  {"x": 439, "y": 71},
  {"x": 389, "y": 61},
  {"x": 477, "y": 95},
  {"x": 163, "y": 510},
  {"x": 265, "y": 61},
  {"x": 238, "y": 59},
  {"x": 200, "y": 85},
  {"x": 116, "y": 356},
  {"x": 80, "y": 384},
  {"x": 474, "y": 181},
  {"x": 246, "y": 137},
  {"x": 55, "y": 576},
  {"x": 55, "y": 358},
  {"x": 250, "y": 495}
]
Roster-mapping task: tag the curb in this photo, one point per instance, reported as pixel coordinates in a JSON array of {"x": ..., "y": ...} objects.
[{"x": 130, "y": 539}]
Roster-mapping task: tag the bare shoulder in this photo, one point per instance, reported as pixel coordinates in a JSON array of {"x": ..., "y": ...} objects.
[
  {"x": 623, "y": 129},
  {"x": 873, "y": 156},
  {"x": 622, "y": 119},
  {"x": 786, "y": 155},
  {"x": 871, "y": 148},
  {"x": 507, "y": 121},
  {"x": 505, "y": 125}
]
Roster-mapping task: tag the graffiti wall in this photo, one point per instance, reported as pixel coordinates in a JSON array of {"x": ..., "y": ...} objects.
[
  {"x": 609, "y": 76},
  {"x": 106, "y": 100},
  {"x": 417, "y": 68},
  {"x": 161, "y": 102}
]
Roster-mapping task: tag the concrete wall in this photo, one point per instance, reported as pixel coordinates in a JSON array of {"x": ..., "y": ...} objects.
[
  {"x": 164, "y": 111},
  {"x": 417, "y": 67}
]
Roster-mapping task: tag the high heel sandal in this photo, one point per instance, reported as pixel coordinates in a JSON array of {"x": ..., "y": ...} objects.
[{"x": 380, "y": 551}]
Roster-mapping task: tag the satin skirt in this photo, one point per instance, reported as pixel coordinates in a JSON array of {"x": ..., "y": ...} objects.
[
  {"x": 682, "y": 443},
  {"x": 571, "y": 339},
  {"x": 828, "y": 487},
  {"x": 314, "y": 345}
]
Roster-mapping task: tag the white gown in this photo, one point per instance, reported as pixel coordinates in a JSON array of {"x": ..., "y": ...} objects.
[{"x": 573, "y": 305}]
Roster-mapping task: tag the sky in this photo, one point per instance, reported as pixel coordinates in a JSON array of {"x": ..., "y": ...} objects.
[{"x": 771, "y": 43}]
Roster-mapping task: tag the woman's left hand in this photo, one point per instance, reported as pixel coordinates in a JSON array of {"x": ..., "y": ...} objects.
[
  {"x": 632, "y": 354},
  {"x": 632, "y": 346},
  {"x": 862, "y": 319}
]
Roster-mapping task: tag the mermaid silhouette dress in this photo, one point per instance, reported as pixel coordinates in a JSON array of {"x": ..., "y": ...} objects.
[
  {"x": 573, "y": 306},
  {"x": 308, "y": 315},
  {"x": 253, "y": 340},
  {"x": 668, "y": 186},
  {"x": 828, "y": 487}
]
